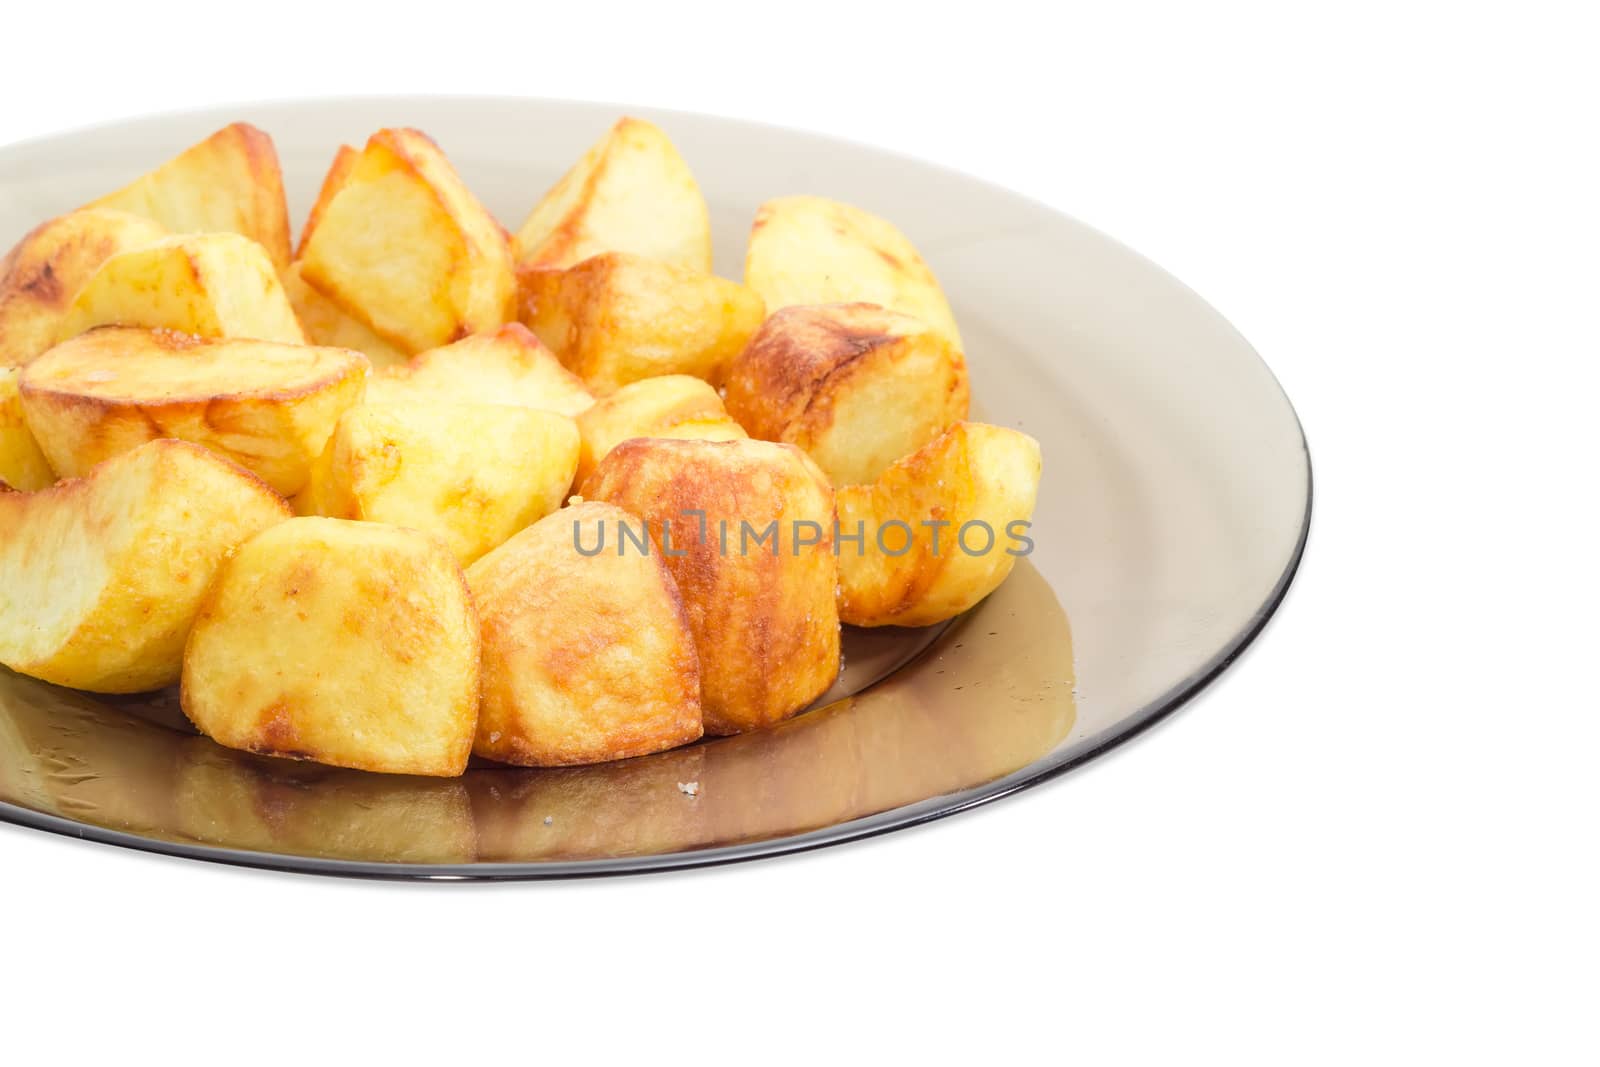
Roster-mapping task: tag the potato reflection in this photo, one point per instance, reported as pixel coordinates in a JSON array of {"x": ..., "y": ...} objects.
[
  {"x": 629, "y": 808},
  {"x": 990, "y": 696},
  {"x": 237, "y": 800}
]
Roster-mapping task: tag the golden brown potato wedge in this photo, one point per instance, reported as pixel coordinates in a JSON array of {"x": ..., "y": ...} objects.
[
  {"x": 403, "y": 246},
  {"x": 811, "y": 250},
  {"x": 41, "y": 275},
  {"x": 508, "y": 366},
  {"x": 322, "y": 319},
  {"x": 22, "y": 465},
  {"x": 228, "y": 183},
  {"x": 206, "y": 284},
  {"x": 100, "y": 578},
  {"x": 344, "y": 164},
  {"x": 268, "y": 407},
  {"x": 939, "y": 530},
  {"x": 471, "y": 474},
  {"x": 326, "y": 323},
  {"x": 757, "y": 579},
  {"x": 348, "y": 643},
  {"x": 854, "y": 385},
  {"x": 631, "y": 192},
  {"x": 674, "y": 405},
  {"x": 617, "y": 318},
  {"x": 586, "y": 658}
]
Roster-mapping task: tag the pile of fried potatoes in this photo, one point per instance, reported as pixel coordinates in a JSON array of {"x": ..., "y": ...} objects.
[{"x": 415, "y": 488}]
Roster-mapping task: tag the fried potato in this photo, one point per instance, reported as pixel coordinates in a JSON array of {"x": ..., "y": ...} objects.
[
  {"x": 854, "y": 385},
  {"x": 631, "y": 192},
  {"x": 918, "y": 563},
  {"x": 472, "y": 474},
  {"x": 100, "y": 578},
  {"x": 674, "y": 405},
  {"x": 616, "y": 318},
  {"x": 22, "y": 465},
  {"x": 349, "y": 643},
  {"x": 586, "y": 658},
  {"x": 344, "y": 164},
  {"x": 326, "y": 323},
  {"x": 757, "y": 580},
  {"x": 228, "y": 183},
  {"x": 811, "y": 250},
  {"x": 323, "y": 320},
  {"x": 41, "y": 275},
  {"x": 403, "y": 246},
  {"x": 268, "y": 407},
  {"x": 508, "y": 366},
  {"x": 206, "y": 284}
]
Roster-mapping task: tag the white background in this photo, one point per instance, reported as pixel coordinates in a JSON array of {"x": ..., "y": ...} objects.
[{"x": 1372, "y": 841}]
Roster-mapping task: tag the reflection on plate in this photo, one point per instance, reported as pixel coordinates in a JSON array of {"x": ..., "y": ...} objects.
[{"x": 131, "y": 765}]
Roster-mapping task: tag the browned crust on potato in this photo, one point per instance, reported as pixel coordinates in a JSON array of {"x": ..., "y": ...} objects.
[
  {"x": 855, "y": 385},
  {"x": 39, "y": 277},
  {"x": 765, "y": 623},
  {"x": 788, "y": 363}
]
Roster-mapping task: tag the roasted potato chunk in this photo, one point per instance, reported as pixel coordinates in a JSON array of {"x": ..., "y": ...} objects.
[
  {"x": 206, "y": 284},
  {"x": 472, "y": 474},
  {"x": 674, "y": 405},
  {"x": 403, "y": 246},
  {"x": 41, "y": 275},
  {"x": 228, "y": 183},
  {"x": 757, "y": 580},
  {"x": 100, "y": 578},
  {"x": 323, "y": 320},
  {"x": 349, "y": 643},
  {"x": 854, "y": 385},
  {"x": 586, "y": 658},
  {"x": 811, "y": 250},
  {"x": 344, "y": 164},
  {"x": 508, "y": 366},
  {"x": 268, "y": 407},
  {"x": 326, "y": 323},
  {"x": 22, "y": 465},
  {"x": 939, "y": 530},
  {"x": 616, "y": 318},
  {"x": 631, "y": 192}
]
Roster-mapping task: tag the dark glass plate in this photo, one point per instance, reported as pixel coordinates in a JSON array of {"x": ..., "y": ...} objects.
[{"x": 1173, "y": 512}]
